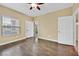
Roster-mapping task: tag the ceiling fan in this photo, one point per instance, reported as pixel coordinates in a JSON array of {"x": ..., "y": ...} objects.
[{"x": 35, "y": 5}]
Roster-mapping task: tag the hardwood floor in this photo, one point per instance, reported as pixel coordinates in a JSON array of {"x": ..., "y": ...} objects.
[{"x": 29, "y": 47}]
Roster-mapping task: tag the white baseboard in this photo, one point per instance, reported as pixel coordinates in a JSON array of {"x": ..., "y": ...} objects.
[
  {"x": 12, "y": 41},
  {"x": 53, "y": 40}
]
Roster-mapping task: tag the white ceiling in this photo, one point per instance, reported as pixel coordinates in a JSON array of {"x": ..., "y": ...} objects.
[{"x": 45, "y": 8}]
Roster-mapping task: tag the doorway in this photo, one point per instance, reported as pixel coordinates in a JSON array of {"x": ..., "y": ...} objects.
[{"x": 29, "y": 29}]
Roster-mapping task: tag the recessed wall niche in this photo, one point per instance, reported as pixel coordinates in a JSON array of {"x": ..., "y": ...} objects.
[{"x": 9, "y": 26}]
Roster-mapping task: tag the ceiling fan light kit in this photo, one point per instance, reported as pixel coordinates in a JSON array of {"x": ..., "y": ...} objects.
[{"x": 35, "y": 5}]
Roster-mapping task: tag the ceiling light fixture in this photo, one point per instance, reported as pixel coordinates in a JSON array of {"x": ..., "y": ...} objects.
[{"x": 35, "y": 5}]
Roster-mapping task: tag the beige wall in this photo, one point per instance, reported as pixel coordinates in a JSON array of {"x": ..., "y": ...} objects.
[
  {"x": 21, "y": 18},
  {"x": 48, "y": 24},
  {"x": 75, "y": 6}
]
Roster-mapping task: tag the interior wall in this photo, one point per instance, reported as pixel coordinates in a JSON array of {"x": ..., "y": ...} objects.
[
  {"x": 21, "y": 17},
  {"x": 75, "y": 6},
  {"x": 48, "y": 24}
]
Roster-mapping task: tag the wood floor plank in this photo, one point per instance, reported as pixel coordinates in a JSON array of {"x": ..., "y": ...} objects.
[{"x": 29, "y": 47}]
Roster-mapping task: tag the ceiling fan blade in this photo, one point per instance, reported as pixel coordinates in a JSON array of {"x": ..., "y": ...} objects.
[
  {"x": 40, "y": 3},
  {"x": 38, "y": 8},
  {"x": 30, "y": 8}
]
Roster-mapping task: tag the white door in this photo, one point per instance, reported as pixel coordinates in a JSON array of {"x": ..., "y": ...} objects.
[
  {"x": 29, "y": 29},
  {"x": 65, "y": 30}
]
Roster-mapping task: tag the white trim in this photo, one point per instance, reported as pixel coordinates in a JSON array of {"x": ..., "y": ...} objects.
[
  {"x": 53, "y": 40},
  {"x": 75, "y": 12},
  {"x": 65, "y": 44},
  {"x": 12, "y": 41}
]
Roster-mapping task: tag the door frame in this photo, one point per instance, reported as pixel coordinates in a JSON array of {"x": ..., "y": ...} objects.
[{"x": 74, "y": 15}]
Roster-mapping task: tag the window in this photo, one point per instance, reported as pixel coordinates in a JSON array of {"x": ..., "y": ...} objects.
[{"x": 9, "y": 26}]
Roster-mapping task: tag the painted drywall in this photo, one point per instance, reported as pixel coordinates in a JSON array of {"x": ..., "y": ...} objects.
[
  {"x": 21, "y": 17},
  {"x": 75, "y": 6},
  {"x": 48, "y": 24}
]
